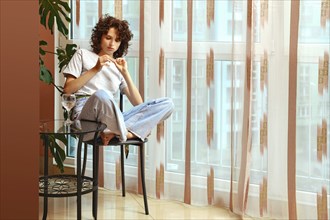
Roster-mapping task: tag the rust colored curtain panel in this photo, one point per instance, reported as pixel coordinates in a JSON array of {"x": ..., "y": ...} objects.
[
  {"x": 100, "y": 8},
  {"x": 159, "y": 90},
  {"x": 187, "y": 190},
  {"x": 322, "y": 133},
  {"x": 141, "y": 49},
  {"x": 243, "y": 183},
  {"x": 210, "y": 119},
  {"x": 119, "y": 9},
  {"x": 141, "y": 74},
  {"x": 210, "y": 12},
  {"x": 161, "y": 12},
  {"x": 77, "y": 12},
  {"x": 293, "y": 57},
  {"x": 232, "y": 78}
]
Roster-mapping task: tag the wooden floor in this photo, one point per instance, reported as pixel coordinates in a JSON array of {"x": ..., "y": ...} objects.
[{"x": 113, "y": 206}]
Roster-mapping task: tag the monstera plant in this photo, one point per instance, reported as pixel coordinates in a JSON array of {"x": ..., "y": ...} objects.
[{"x": 51, "y": 12}]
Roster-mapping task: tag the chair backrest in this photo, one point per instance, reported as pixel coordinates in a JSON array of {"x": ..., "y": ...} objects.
[{"x": 121, "y": 101}]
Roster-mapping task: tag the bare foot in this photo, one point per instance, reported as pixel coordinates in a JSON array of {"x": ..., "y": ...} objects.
[
  {"x": 130, "y": 135},
  {"x": 106, "y": 137}
]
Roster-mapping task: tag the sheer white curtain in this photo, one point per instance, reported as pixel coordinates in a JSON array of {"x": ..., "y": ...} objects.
[{"x": 226, "y": 65}]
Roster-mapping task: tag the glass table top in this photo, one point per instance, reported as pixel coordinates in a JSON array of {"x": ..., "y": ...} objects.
[{"x": 76, "y": 127}]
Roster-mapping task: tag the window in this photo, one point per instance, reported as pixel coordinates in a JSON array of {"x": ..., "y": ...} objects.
[
  {"x": 229, "y": 73},
  {"x": 311, "y": 106}
]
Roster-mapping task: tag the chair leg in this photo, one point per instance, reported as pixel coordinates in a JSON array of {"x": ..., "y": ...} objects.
[
  {"x": 85, "y": 160},
  {"x": 122, "y": 166},
  {"x": 96, "y": 178},
  {"x": 143, "y": 179}
]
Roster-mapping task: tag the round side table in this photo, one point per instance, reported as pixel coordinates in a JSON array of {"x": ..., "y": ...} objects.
[{"x": 64, "y": 185}]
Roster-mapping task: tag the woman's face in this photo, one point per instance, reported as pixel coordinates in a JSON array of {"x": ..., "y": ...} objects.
[{"x": 109, "y": 42}]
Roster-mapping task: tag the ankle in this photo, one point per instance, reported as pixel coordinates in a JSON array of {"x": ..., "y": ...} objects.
[
  {"x": 106, "y": 137},
  {"x": 130, "y": 135}
]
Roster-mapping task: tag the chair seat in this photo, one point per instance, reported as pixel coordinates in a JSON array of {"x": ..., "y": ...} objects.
[{"x": 115, "y": 141}]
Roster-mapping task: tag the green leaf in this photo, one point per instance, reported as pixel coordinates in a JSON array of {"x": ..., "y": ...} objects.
[
  {"x": 54, "y": 10},
  {"x": 64, "y": 56},
  {"x": 60, "y": 155},
  {"x": 61, "y": 137},
  {"x": 42, "y": 51},
  {"x": 41, "y": 62},
  {"x": 42, "y": 43},
  {"x": 51, "y": 12},
  {"x": 44, "y": 74},
  {"x": 57, "y": 152},
  {"x": 51, "y": 22}
]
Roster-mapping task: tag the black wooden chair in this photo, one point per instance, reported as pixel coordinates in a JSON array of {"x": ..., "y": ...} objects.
[{"x": 122, "y": 144}]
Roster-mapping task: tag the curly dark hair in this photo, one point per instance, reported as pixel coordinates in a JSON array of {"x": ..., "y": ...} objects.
[{"x": 102, "y": 27}]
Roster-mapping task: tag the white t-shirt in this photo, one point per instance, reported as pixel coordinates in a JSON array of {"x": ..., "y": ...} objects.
[{"x": 109, "y": 78}]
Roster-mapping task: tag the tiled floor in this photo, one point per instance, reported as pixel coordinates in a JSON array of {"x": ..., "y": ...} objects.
[{"x": 113, "y": 206}]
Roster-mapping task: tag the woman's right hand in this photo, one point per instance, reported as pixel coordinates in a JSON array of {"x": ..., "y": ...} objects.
[{"x": 103, "y": 60}]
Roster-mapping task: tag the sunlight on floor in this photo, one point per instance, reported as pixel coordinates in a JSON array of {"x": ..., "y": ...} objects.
[{"x": 111, "y": 205}]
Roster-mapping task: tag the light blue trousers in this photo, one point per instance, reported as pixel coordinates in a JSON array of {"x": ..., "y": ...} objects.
[{"x": 139, "y": 120}]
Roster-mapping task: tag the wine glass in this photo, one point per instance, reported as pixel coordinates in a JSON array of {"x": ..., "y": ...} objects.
[{"x": 68, "y": 102}]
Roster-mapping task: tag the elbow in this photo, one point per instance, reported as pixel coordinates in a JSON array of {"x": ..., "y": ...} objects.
[
  {"x": 67, "y": 90},
  {"x": 139, "y": 101}
]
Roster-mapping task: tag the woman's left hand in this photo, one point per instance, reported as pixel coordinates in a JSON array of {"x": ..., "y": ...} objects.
[{"x": 121, "y": 64}]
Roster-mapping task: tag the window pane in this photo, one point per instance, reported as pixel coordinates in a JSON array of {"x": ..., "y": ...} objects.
[
  {"x": 175, "y": 144},
  {"x": 89, "y": 16},
  {"x": 223, "y": 18},
  {"x": 310, "y": 30},
  {"x": 131, "y": 13},
  {"x": 311, "y": 109},
  {"x": 87, "y": 19}
]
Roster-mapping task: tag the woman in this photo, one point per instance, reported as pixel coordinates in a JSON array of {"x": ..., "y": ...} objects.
[{"x": 96, "y": 77}]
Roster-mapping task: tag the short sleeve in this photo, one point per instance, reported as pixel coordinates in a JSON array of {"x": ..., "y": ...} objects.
[{"x": 74, "y": 67}]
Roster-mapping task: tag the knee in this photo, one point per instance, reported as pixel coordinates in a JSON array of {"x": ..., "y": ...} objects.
[
  {"x": 103, "y": 95},
  {"x": 168, "y": 103}
]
